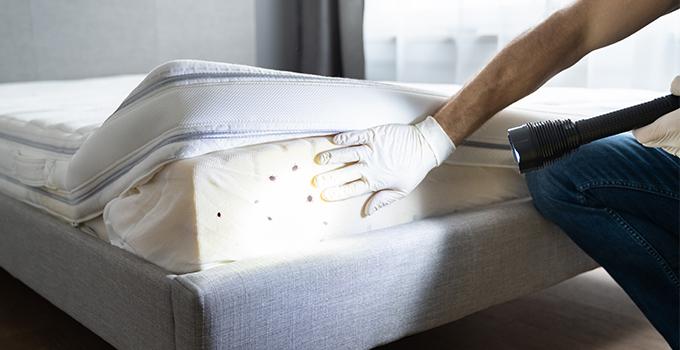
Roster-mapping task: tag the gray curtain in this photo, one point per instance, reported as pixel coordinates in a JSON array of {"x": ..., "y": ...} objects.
[
  {"x": 322, "y": 37},
  {"x": 331, "y": 37}
]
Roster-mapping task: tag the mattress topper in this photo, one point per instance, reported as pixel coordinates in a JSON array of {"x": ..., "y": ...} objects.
[
  {"x": 63, "y": 161},
  {"x": 58, "y": 116}
]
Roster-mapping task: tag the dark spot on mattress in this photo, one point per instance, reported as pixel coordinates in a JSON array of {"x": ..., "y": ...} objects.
[
  {"x": 294, "y": 168},
  {"x": 256, "y": 201},
  {"x": 272, "y": 178},
  {"x": 219, "y": 215},
  {"x": 309, "y": 198},
  {"x": 325, "y": 222},
  {"x": 269, "y": 218}
]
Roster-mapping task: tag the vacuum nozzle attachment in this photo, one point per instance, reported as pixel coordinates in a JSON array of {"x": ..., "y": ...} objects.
[{"x": 535, "y": 145}]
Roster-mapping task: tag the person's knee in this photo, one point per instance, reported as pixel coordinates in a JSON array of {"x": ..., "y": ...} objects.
[
  {"x": 552, "y": 187},
  {"x": 558, "y": 184}
]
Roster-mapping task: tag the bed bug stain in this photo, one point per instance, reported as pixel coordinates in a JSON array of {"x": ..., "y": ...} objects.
[
  {"x": 219, "y": 215},
  {"x": 272, "y": 178},
  {"x": 294, "y": 168},
  {"x": 269, "y": 218},
  {"x": 325, "y": 223},
  {"x": 309, "y": 198},
  {"x": 256, "y": 201}
]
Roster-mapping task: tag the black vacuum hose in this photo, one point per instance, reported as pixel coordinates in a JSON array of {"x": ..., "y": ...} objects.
[{"x": 535, "y": 145}]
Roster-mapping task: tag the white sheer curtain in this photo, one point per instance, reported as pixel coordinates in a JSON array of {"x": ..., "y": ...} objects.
[{"x": 447, "y": 41}]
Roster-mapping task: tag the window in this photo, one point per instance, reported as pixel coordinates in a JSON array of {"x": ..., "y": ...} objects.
[{"x": 448, "y": 41}]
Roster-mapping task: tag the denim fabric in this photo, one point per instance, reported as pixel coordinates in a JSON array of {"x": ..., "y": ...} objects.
[{"x": 619, "y": 201}]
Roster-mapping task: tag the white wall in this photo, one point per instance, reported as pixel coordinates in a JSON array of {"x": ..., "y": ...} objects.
[
  {"x": 47, "y": 39},
  {"x": 448, "y": 41}
]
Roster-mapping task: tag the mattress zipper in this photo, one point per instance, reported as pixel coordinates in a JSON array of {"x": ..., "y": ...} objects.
[
  {"x": 171, "y": 80},
  {"x": 173, "y": 139},
  {"x": 193, "y": 136},
  {"x": 39, "y": 145},
  {"x": 159, "y": 84},
  {"x": 241, "y": 134},
  {"x": 229, "y": 135},
  {"x": 240, "y": 75}
]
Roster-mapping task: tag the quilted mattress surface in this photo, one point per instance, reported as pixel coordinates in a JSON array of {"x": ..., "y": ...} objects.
[{"x": 42, "y": 125}]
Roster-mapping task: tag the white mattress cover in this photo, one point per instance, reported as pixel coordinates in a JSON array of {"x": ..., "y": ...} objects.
[{"x": 42, "y": 124}]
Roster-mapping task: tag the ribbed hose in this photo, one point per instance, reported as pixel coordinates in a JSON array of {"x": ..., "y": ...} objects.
[
  {"x": 554, "y": 138},
  {"x": 538, "y": 144},
  {"x": 626, "y": 119}
]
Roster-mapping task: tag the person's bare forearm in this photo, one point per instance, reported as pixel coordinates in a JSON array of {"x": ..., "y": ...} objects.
[
  {"x": 519, "y": 69},
  {"x": 536, "y": 56}
]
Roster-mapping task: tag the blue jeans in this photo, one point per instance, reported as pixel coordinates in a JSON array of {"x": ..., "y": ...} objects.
[{"x": 619, "y": 202}]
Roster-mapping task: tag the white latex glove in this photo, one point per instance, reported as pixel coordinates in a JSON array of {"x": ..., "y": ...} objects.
[
  {"x": 390, "y": 160},
  {"x": 665, "y": 131}
]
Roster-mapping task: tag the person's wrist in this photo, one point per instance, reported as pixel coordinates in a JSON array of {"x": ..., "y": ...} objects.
[{"x": 440, "y": 143}]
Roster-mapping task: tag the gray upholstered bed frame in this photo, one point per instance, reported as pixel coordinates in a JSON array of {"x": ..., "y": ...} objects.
[{"x": 354, "y": 292}]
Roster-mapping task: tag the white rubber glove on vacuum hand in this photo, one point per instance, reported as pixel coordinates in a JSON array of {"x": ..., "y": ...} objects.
[
  {"x": 390, "y": 160},
  {"x": 665, "y": 131}
]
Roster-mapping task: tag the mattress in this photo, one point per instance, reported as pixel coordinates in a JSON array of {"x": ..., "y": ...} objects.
[
  {"x": 184, "y": 109},
  {"x": 206, "y": 138}
]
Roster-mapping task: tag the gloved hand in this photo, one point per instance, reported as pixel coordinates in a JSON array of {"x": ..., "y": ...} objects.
[
  {"x": 665, "y": 131},
  {"x": 390, "y": 160}
]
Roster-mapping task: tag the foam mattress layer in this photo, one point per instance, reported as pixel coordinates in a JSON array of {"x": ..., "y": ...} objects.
[{"x": 258, "y": 200}]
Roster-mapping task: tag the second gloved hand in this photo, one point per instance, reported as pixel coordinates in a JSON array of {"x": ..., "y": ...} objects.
[
  {"x": 390, "y": 160},
  {"x": 665, "y": 131}
]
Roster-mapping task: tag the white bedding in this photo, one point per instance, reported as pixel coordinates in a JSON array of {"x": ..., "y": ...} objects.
[{"x": 43, "y": 124}]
